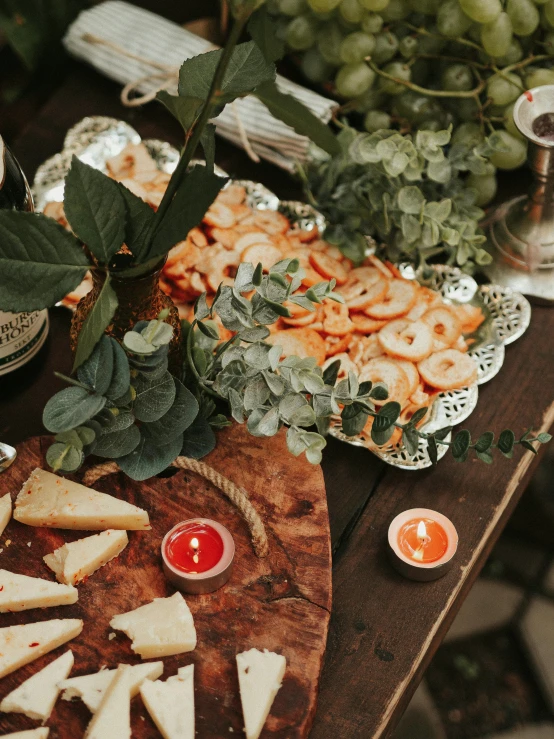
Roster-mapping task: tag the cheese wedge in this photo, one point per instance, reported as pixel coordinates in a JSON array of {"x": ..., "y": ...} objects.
[
  {"x": 113, "y": 717},
  {"x": 160, "y": 628},
  {"x": 79, "y": 559},
  {"x": 36, "y": 696},
  {"x": 5, "y": 511},
  {"x": 21, "y": 644},
  {"x": 171, "y": 704},
  {"x": 91, "y": 688},
  {"x": 41, "y": 733},
  {"x": 19, "y": 593},
  {"x": 260, "y": 677},
  {"x": 48, "y": 500}
]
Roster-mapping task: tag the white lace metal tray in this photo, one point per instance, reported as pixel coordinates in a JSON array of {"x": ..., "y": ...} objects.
[{"x": 508, "y": 313}]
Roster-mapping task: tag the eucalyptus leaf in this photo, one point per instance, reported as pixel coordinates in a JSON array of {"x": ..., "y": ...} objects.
[
  {"x": 70, "y": 408},
  {"x": 70, "y": 437},
  {"x": 461, "y": 444},
  {"x": 148, "y": 459},
  {"x": 121, "y": 376},
  {"x": 97, "y": 371},
  {"x": 123, "y": 420},
  {"x": 199, "y": 439},
  {"x": 64, "y": 458},
  {"x": 117, "y": 443},
  {"x": 154, "y": 398},
  {"x": 178, "y": 418},
  {"x": 95, "y": 209}
]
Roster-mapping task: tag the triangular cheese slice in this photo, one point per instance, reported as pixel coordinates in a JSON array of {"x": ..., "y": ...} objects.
[
  {"x": 19, "y": 593},
  {"x": 260, "y": 676},
  {"x": 91, "y": 688},
  {"x": 36, "y": 696},
  {"x": 160, "y": 628},
  {"x": 171, "y": 704},
  {"x": 113, "y": 717},
  {"x": 48, "y": 500},
  {"x": 21, "y": 644},
  {"x": 5, "y": 511},
  {"x": 79, "y": 559},
  {"x": 41, "y": 733}
]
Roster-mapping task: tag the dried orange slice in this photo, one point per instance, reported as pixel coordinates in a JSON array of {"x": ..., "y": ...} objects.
[
  {"x": 445, "y": 326},
  {"x": 364, "y": 348},
  {"x": 411, "y": 373},
  {"x": 366, "y": 325},
  {"x": 448, "y": 370},
  {"x": 336, "y": 320},
  {"x": 232, "y": 195},
  {"x": 346, "y": 365},
  {"x": 385, "y": 370},
  {"x": 400, "y": 297},
  {"x": 470, "y": 316},
  {"x": 220, "y": 215},
  {"x": 267, "y": 254},
  {"x": 271, "y": 221},
  {"x": 328, "y": 267},
  {"x": 336, "y": 344},
  {"x": 412, "y": 340},
  {"x": 300, "y": 342}
]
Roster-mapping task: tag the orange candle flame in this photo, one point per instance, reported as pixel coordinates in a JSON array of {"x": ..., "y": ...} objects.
[{"x": 423, "y": 540}]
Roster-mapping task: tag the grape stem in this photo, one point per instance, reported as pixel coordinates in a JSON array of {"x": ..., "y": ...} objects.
[
  {"x": 424, "y": 32},
  {"x": 431, "y": 93}
]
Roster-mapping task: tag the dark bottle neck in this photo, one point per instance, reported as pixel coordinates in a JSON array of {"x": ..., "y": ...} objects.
[{"x": 14, "y": 190}]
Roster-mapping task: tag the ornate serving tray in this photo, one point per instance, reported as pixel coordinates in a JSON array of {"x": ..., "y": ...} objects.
[{"x": 96, "y": 139}]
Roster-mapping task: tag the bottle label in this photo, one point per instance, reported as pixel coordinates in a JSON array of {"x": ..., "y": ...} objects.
[{"x": 21, "y": 336}]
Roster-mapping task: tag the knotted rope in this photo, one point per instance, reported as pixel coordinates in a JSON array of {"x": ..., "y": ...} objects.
[{"x": 236, "y": 495}]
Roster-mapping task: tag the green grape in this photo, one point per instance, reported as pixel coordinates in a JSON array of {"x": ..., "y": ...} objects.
[
  {"x": 524, "y": 16},
  {"x": 301, "y": 33},
  {"x": 372, "y": 23},
  {"x": 451, "y": 19},
  {"x": 474, "y": 32},
  {"x": 375, "y": 5},
  {"x": 515, "y": 154},
  {"x": 465, "y": 109},
  {"x": 351, "y": 11},
  {"x": 457, "y": 77},
  {"x": 482, "y": 11},
  {"x": 432, "y": 43},
  {"x": 372, "y": 99},
  {"x": 416, "y": 108},
  {"x": 356, "y": 46},
  {"x": 497, "y": 36},
  {"x": 549, "y": 43},
  {"x": 468, "y": 133},
  {"x": 315, "y": 67},
  {"x": 399, "y": 71},
  {"x": 353, "y": 80},
  {"x": 502, "y": 90},
  {"x": 485, "y": 185},
  {"x": 323, "y": 6},
  {"x": 292, "y": 7},
  {"x": 375, "y": 120},
  {"x": 329, "y": 39},
  {"x": 539, "y": 77},
  {"x": 408, "y": 47},
  {"x": 427, "y": 7},
  {"x": 421, "y": 72},
  {"x": 549, "y": 13},
  {"x": 509, "y": 123},
  {"x": 386, "y": 46},
  {"x": 513, "y": 55},
  {"x": 396, "y": 10}
]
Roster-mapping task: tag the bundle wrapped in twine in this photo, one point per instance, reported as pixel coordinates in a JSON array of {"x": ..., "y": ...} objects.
[
  {"x": 144, "y": 51},
  {"x": 236, "y": 495}
]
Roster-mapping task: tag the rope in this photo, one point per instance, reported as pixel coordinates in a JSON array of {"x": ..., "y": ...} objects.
[{"x": 236, "y": 495}]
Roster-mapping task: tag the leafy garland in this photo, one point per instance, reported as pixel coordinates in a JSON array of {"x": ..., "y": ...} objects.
[{"x": 126, "y": 405}]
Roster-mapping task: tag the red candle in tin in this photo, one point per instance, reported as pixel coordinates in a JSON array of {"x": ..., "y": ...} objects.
[{"x": 194, "y": 547}]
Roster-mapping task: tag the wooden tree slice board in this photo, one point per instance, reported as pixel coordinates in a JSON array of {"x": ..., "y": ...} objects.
[{"x": 281, "y": 603}]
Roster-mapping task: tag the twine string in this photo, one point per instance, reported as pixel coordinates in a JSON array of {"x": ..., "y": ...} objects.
[{"x": 236, "y": 495}]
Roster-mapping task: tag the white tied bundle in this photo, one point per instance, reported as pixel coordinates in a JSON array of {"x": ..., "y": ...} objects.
[{"x": 144, "y": 51}]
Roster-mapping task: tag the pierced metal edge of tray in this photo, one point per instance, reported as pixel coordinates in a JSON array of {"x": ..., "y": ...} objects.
[{"x": 95, "y": 139}]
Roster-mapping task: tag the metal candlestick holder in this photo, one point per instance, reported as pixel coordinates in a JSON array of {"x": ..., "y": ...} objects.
[{"x": 522, "y": 229}]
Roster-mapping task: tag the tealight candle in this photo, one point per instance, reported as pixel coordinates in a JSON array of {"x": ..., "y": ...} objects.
[
  {"x": 198, "y": 555},
  {"x": 422, "y": 544}
]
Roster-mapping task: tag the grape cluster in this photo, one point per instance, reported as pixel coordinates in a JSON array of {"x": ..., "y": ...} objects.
[{"x": 428, "y": 64}]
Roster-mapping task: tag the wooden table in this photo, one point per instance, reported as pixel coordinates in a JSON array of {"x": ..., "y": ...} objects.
[{"x": 384, "y": 629}]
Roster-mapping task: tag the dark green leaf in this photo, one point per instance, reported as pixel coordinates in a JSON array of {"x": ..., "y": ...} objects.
[
  {"x": 261, "y": 27},
  {"x": 461, "y": 443},
  {"x": 200, "y": 360},
  {"x": 381, "y": 437},
  {"x": 484, "y": 442},
  {"x": 527, "y": 445},
  {"x": 96, "y": 322},
  {"x": 147, "y": 459},
  {"x": 258, "y": 274},
  {"x": 193, "y": 198},
  {"x": 198, "y": 439},
  {"x": 246, "y": 70},
  {"x": 178, "y": 418},
  {"x": 97, "y": 371},
  {"x": 441, "y": 434},
  {"x": 418, "y": 415},
  {"x": 40, "y": 262},
  {"x": 185, "y": 109},
  {"x": 121, "y": 376},
  {"x": 277, "y": 307},
  {"x": 432, "y": 450},
  {"x": 506, "y": 442},
  {"x": 484, "y": 457},
  {"x": 365, "y": 388},
  {"x": 354, "y": 418},
  {"x": 331, "y": 372},
  {"x": 70, "y": 408},
  {"x": 95, "y": 209},
  {"x": 154, "y": 398},
  {"x": 209, "y": 331},
  {"x": 410, "y": 440},
  {"x": 379, "y": 392},
  {"x": 120, "y": 422},
  {"x": 296, "y": 115},
  {"x": 116, "y": 444},
  {"x": 387, "y": 416},
  {"x": 139, "y": 222}
]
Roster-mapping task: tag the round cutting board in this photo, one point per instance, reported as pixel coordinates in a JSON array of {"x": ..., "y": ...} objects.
[{"x": 281, "y": 603}]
